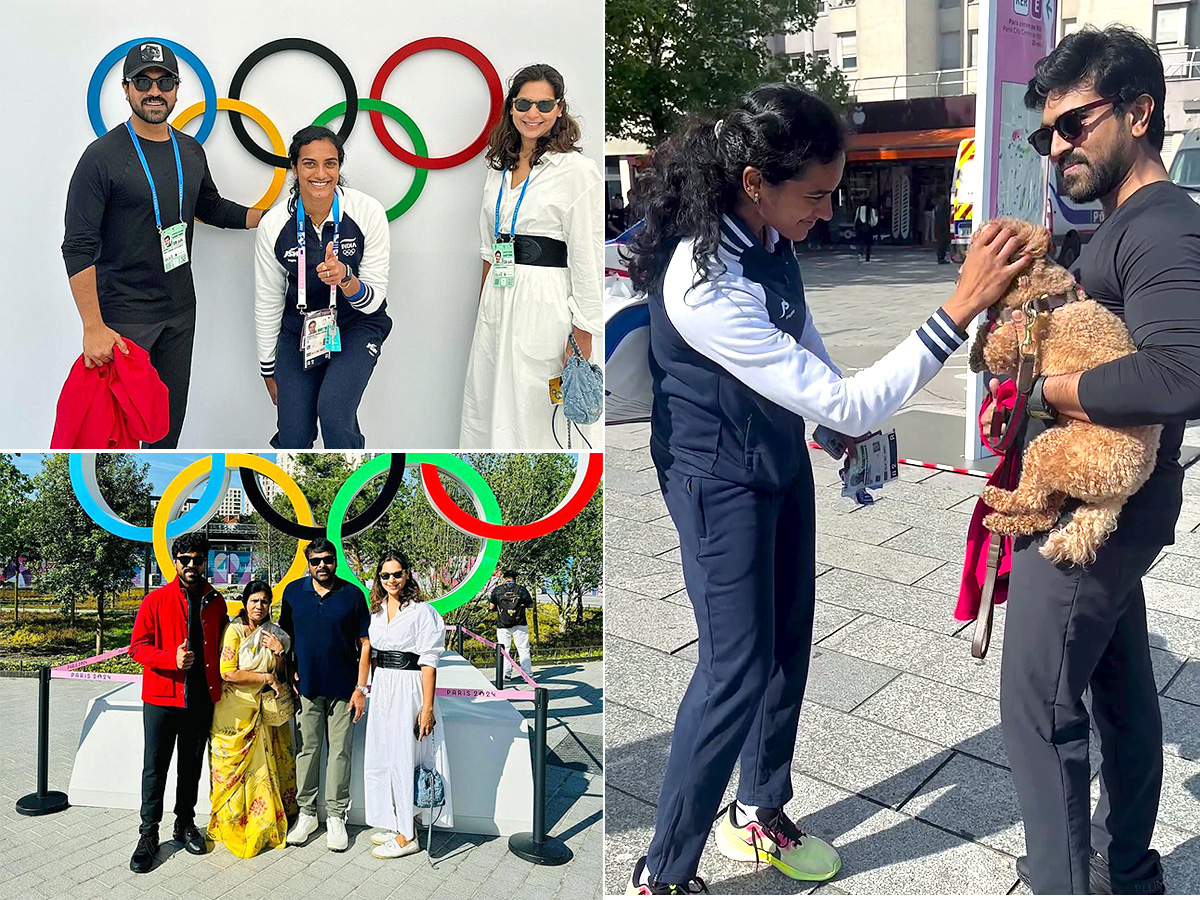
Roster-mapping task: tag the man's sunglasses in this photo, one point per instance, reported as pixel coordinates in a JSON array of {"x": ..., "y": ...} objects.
[
  {"x": 317, "y": 561},
  {"x": 191, "y": 561},
  {"x": 1069, "y": 125},
  {"x": 166, "y": 83},
  {"x": 390, "y": 576},
  {"x": 522, "y": 104}
]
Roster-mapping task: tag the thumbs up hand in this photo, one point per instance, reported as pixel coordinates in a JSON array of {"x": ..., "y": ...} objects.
[
  {"x": 330, "y": 271},
  {"x": 184, "y": 657}
]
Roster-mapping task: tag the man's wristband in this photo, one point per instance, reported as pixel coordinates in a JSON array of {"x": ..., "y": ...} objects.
[{"x": 1037, "y": 405}]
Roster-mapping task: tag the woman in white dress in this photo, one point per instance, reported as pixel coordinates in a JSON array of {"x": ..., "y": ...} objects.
[
  {"x": 407, "y": 636},
  {"x": 547, "y": 287}
]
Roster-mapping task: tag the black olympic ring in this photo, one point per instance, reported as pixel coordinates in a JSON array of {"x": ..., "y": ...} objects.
[
  {"x": 364, "y": 520},
  {"x": 268, "y": 49}
]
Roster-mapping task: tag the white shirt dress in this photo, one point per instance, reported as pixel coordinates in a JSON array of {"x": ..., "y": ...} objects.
[{"x": 521, "y": 331}]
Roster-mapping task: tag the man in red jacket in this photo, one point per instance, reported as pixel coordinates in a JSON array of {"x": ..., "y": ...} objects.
[{"x": 177, "y": 640}]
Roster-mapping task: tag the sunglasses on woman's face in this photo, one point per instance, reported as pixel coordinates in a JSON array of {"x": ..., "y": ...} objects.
[
  {"x": 391, "y": 576},
  {"x": 1070, "y": 125},
  {"x": 166, "y": 83},
  {"x": 522, "y": 104}
]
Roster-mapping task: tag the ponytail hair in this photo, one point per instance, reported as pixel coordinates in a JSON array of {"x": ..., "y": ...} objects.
[{"x": 779, "y": 129}]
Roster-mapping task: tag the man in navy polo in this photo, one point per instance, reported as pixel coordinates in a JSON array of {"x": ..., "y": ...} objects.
[{"x": 328, "y": 620}]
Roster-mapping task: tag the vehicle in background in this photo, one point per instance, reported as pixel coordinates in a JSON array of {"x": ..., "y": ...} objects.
[
  {"x": 1071, "y": 224},
  {"x": 1185, "y": 167}
]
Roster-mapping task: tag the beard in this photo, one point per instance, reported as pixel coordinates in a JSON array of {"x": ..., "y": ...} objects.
[
  {"x": 1100, "y": 177},
  {"x": 155, "y": 115}
]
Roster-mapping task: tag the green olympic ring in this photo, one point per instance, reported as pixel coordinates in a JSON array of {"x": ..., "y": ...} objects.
[
  {"x": 404, "y": 120},
  {"x": 461, "y": 472}
]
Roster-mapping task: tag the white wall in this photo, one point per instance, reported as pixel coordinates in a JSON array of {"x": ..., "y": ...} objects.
[{"x": 415, "y": 395}]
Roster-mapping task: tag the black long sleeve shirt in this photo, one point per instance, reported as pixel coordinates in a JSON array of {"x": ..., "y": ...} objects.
[
  {"x": 110, "y": 223},
  {"x": 1144, "y": 265}
]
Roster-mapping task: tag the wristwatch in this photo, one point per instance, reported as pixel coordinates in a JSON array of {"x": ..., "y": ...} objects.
[
  {"x": 1037, "y": 405},
  {"x": 349, "y": 275},
  {"x": 362, "y": 688}
]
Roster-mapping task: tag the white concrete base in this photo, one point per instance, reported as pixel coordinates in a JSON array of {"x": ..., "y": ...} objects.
[{"x": 488, "y": 742}]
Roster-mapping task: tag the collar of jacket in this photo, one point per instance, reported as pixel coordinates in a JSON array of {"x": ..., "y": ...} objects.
[
  {"x": 209, "y": 593},
  {"x": 737, "y": 238}
]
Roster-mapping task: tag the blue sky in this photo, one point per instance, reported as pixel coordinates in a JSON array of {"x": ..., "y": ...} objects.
[{"x": 163, "y": 466}]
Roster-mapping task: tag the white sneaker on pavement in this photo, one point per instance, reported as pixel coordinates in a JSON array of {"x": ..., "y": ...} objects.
[
  {"x": 335, "y": 834},
  {"x": 380, "y": 838},
  {"x": 393, "y": 850},
  {"x": 303, "y": 829}
]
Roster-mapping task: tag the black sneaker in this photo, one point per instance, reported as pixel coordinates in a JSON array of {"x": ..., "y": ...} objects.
[
  {"x": 143, "y": 856},
  {"x": 193, "y": 839},
  {"x": 1098, "y": 878},
  {"x": 694, "y": 886}
]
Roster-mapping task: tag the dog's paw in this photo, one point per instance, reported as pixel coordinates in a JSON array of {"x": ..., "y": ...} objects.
[
  {"x": 1002, "y": 523},
  {"x": 1062, "y": 546},
  {"x": 999, "y": 499}
]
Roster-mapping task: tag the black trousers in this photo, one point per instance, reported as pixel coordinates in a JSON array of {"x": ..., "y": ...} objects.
[
  {"x": 865, "y": 238},
  {"x": 1069, "y": 629},
  {"x": 169, "y": 344},
  {"x": 169, "y": 728},
  {"x": 749, "y": 563}
]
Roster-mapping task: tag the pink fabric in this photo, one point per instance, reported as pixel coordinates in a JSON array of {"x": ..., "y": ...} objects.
[{"x": 975, "y": 565}]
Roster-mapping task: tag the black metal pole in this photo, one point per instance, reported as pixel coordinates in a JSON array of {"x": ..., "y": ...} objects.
[
  {"x": 499, "y": 669},
  {"x": 535, "y": 846},
  {"x": 458, "y": 628},
  {"x": 45, "y": 800}
]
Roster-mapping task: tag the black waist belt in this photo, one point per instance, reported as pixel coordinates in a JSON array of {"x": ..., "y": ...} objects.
[
  {"x": 396, "y": 659},
  {"x": 531, "y": 250}
]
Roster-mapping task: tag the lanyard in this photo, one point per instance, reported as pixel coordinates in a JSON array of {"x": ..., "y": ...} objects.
[
  {"x": 146, "y": 168},
  {"x": 503, "y": 178},
  {"x": 302, "y": 256}
]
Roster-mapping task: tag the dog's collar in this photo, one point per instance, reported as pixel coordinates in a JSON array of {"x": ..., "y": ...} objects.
[{"x": 1044, "y": 304}]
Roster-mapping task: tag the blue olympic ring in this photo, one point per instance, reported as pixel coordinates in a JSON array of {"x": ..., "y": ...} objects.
[
  {"x": 206, "y": 81},
  {"x": 101, "y": 513}
]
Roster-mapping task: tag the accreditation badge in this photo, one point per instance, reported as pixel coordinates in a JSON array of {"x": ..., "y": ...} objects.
[
  {"x": 504, "y": 264},
  {"x": 556, "y": 393},
  {"x": 174, "y": 246},
  {"x": 315, "y": 336}
]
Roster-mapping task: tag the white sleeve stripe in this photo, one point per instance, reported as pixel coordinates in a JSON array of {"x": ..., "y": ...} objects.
[
  {"x": 736, "y": 234},
  {"x": 935, "y": 331},
  {"x": 365, "y": 299},
  {"x": 939, "y": 352},
  {"x": 949, "y": 323}
]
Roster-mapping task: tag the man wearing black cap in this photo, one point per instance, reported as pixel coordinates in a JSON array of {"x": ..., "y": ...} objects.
[{"x": 133, "y": 200}]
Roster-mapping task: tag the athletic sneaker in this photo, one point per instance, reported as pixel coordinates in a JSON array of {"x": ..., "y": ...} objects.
[
  {"x": 694, "y": 886},
  {"x": 781, "y": 843}
]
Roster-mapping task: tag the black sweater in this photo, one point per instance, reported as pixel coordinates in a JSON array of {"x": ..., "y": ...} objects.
[{"x": 110, "y": 223}]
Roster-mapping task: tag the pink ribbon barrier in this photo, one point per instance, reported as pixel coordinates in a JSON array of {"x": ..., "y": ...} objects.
[
  {"x": 503, "y": 650},
  {"x": 67, "y": 670}
]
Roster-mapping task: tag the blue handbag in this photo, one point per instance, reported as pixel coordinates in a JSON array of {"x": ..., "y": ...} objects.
[
  {"x": 582, "y": 388},
  {"x": 429, "y": 792}
]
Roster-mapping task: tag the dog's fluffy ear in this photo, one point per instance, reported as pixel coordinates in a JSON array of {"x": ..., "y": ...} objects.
[
  {"x": 975, "y": 356},
  {"x": 1037, "y": 239}
]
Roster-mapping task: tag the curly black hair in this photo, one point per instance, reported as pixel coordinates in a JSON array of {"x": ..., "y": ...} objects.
[
  {"x": 192, "y": 542},
  {"x": 779, "y": 129},
  {"x": 410, "y": 593},
  {"x": 1117, "y": 63},
  {"x": 504, "y": 140}
]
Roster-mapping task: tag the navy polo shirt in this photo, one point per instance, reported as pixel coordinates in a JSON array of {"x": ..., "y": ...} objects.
[{"x": 325, "y": 632}]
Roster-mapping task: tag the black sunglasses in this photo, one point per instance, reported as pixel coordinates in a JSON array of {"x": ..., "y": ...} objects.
[
  {"x": 1069, "y": 125},
  {"x": 523, "y": 104},
  {"x": 193, "y": 560},
  {"x": 166, "y": 83},
  {"x": 390, "y": 576},
  {"x": 318, "y": 561}
]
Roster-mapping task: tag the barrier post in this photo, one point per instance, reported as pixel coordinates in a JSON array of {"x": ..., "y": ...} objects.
[
  {"x": 499, "y": 669},
  {"x": 535, "y": 846},
  {"x": 44, "y": 801},
  {"x": 458, "y": 629}
]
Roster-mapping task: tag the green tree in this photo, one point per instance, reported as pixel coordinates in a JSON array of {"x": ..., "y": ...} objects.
[
  {"x": 84, "y": 559},
  {"x": 666, "y": 60},
  {"x": 16, "y": 534}
]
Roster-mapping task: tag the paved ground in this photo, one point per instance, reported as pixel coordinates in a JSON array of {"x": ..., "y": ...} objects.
[
  {"x": 900, "y": 760},
  {"x": 84, "y": 852}
]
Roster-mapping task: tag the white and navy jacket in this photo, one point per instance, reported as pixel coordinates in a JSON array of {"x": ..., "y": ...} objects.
[
  {"x": 364, "y": 245},
  {"x": 738, "y": 365}
]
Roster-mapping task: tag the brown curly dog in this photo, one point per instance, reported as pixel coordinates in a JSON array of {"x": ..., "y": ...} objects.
[{"x": 1103, "y": 467}]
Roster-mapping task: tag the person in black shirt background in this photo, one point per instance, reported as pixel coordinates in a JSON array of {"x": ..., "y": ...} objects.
[
  {"x": 1070, "y": 629},
  {"x": 509, "y": 602},
  {"x": 123, "y": 283}
]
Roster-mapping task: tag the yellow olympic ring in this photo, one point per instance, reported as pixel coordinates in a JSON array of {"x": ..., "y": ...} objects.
[
  {"x": 229, "y": 104},
  {"x": 162, "y": 553}
]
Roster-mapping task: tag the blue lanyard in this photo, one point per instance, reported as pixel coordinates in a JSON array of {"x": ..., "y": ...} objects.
[
  {"x": 503, "y": 178},
  {"x": 146, "y": 168},
  {"x": 302, "y": 257}
]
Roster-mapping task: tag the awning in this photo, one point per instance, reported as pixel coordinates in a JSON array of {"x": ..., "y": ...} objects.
[{"x": 933, "y": 143}]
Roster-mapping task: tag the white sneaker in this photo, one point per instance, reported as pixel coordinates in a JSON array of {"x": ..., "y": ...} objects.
[
  {"x": 380, "y": 838},
  {"x": 303, "y": 829},
  {"x": 393, "y": 850},
  {"x": 335, "y": 834}
]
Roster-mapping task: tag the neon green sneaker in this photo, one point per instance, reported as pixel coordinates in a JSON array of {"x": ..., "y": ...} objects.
[{"x": 781, "y": 843}]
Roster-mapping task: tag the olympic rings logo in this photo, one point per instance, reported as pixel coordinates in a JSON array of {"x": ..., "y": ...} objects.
[
  {"x": 348, "y": 109},
  {"x": 214, "y": 472}
]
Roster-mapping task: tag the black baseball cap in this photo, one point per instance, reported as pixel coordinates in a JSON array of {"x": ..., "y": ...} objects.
[{"x": 150, "y": 55}]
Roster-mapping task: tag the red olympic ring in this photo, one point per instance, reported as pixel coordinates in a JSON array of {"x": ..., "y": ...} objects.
[
  {"x": 495, "y": 91},
  {"x": 472, "y": 525}
]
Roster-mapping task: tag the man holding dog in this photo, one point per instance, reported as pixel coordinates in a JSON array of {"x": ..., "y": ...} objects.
[{"x": 1070, "y": 629}]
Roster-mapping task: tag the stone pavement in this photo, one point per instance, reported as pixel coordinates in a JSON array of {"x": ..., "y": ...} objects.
[
  {"x": 900, "y": 760},
  {"x": 84, "y": 852}
]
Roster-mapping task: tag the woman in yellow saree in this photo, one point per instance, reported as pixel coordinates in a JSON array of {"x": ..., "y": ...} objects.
[{"x": 252, "y": 763}]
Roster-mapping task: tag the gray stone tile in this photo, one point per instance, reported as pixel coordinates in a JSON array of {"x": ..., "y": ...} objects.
[
  {"x": 635, "y": 750},
  {"x": 935, "y": 497},
  {"x": 973, "y": 798},
  {"x": 861, "y": 756},
  {"x": 938, "y": 657},
  {"x": 1171, "y": 597},
  {"x": 964, "y": 484},
  {"x": 644, "y": 679},
  {"x": 828, "y": 618},
  {"x": 629, "y": 825},
  {"x": 645, "y": 508},
  {"x": 1180, "y": 803},
  {"x": 639, "y": 537},
  {"x": 654, "y": 623},
  {"x": 1174, "y": 633},
  {"x": 949, "y": 546},
  {"x": 855, "y": 556},
  {"x": 945, "y": 579},
  {"x": 635, "y": 436},
  {"x": 1181, "y": 729},
  {"x": 630, "y": 460},
  {"x": 1180, "y": 858},
  {"x": 645, "y": 575},
  {"x": 1166, "y": 665},
  {"x": 889, "y": 509},
  {"x": 1187, "y": 543},
  {"x": 842, "y": 682},
  {"x": 941, "y": 714},
  {"x": 857, "y": 528},
  {"x": 1186, "y": 686},
  {"x": 916, "y": 606},
  {"x": 1180, "y": 569},
  {"x": 629, "y": 482}
]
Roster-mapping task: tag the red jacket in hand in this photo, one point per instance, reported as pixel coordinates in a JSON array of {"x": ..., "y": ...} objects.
[
  {"x": 114, "y": 406},
  {"x": 160, "y": 627}
]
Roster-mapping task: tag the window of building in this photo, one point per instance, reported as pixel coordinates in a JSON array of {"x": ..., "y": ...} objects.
[
  {"x": 821, "y": 6},
  {"x": 949, "y": 4},
  {"x": 973, "y": 47},
  {"x": 1170, "y": 26},
  {"x": 950, "y": 50},
  {"x": 1069, "y": 26},
  {"x": 847, "y": 45},
  {"x": 822, "y": 54}
]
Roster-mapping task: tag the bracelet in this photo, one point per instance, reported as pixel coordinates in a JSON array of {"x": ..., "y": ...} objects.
[{"x": 357, "y": 295}]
